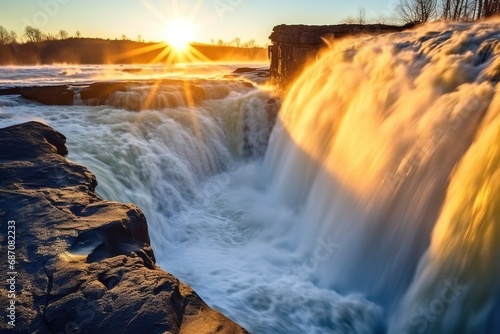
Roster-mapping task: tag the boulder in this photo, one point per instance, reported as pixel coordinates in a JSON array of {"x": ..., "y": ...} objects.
[
  {"x": 241, "y": 70},
  {"x": 98, "y": 92},
  {"x": 51, "y": 95}
]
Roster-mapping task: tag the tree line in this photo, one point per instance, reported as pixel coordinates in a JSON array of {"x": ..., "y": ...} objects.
[
  {"x": 32, "y": 34},
  {"x": 236, "y": 42},
  {"x": 457, "y": 10}
]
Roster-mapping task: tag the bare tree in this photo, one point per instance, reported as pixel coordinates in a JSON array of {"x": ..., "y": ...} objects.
[
  {"x": 78, "y": 34},
  {"x": 4, "y": 36},
  {"x": 7, "y": 37},
  {"x": 13, "y": 36},
  {"x": 463, "y": 10},
  {"x": 63, "y": 34},
  {"x": 476, "y": 9},
  {"x": 491, "y": 8},
  {"x": 33, "y": 34},
  {"x": 250, "y": 44},
  {"x": 362, "y": 15},
  {"x": 416, "y": 10},
  {"x": 459, "y": 10},
  {"x": 49, "y": 37}
]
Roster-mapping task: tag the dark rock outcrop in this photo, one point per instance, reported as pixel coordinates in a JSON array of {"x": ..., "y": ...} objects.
[
  {"x": 294, "y": 45},
  {"x": 241, "y": 70},
  {"x": 83, "y": 265},
  {"x": 60, "y": 95},
  {"x": 253, "y": 75},
  {"x": 98, "y": 92},
  {"x": 49, "y": 95}
]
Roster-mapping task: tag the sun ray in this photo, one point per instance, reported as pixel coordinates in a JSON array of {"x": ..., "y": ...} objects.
[
  {"x": 178, "y": 48},
  {"x": 196, "y": 55},
  {"x": 154, "y": 11},
  {"x": 192, "y": 110},
  {"x": 195, "y": 10},
  {"x": 160, "y": 56},
  {"x": 152, "y": 93},
  {"x": 139, "y": 51}
]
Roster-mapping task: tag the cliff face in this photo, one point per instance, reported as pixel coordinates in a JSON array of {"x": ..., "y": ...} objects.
[
  {"x": 82, "y": 264},
  {"x": 294, "y": 45}
]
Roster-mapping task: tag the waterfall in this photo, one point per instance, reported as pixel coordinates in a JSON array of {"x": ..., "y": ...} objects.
[
  {"x": 456, "y": 288},
  {"x": 373, "y": 206},
  {"x": 366, "y": 144}
]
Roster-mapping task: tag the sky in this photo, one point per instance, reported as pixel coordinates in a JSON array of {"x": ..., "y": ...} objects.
[{"x": 209, "y": 19}]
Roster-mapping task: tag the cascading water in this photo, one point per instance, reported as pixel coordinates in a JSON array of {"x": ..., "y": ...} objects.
[
  {"x": 368, "y": 139},
  {"x": 375, "y": 207},
  {"x": 456, "y": 288}
]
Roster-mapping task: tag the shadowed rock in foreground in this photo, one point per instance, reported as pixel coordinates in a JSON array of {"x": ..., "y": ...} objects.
[{"x": 84, "y": 265}]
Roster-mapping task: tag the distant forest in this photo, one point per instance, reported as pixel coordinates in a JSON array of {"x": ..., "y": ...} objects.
[
  {"x": 41, "y": 49},
  {"x": 99, "y": 51}
]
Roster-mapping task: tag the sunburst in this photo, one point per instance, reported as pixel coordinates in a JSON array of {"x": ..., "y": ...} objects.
[{"x": 179, "y": 33}]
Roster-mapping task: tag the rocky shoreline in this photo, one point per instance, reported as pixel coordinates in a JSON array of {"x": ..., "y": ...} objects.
[{"x": 83, "y": 264}]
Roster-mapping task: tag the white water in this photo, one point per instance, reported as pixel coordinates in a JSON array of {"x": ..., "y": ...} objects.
[
  {"x": 374, "y": 209},
  {"x": 81, "y": 74}
]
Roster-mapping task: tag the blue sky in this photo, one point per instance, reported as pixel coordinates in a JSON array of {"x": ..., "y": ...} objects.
[{"x": 211, "y": 19}]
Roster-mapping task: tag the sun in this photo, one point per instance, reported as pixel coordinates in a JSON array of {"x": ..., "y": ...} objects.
[{"x": 179, "y": 33}]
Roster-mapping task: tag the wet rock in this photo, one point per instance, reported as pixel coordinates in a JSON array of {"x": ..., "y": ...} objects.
[
  {"x": 99, "y": 92},
  {"x": 49, "y": 95},
  {"x": 241, "y": 70}
]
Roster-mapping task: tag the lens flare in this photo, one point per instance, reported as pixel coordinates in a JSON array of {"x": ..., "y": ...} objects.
[{"x": 179, "y": 34}]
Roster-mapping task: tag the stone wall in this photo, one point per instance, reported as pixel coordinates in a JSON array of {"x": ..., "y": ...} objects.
[{"x": 294, "y": 45}]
